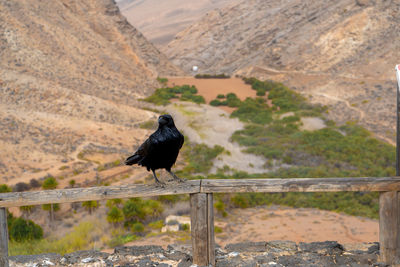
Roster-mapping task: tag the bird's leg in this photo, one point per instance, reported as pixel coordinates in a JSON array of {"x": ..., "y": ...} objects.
[
  {"x": 158, "y": 181},
  {"x": 176, "y": 177}
]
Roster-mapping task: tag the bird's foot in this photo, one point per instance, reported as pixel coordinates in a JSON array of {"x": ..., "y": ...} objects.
[
  {"x": 181, "y": 180},
  {"x": 176, "y": 177},
  {"x": 160, "y": 184}
]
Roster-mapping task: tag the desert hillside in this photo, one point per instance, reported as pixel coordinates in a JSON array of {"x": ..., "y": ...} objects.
[
  {"x": 71, "y": 73},
  {"x": 339, "y": 53},
  {"x": 160, "y": 21}
]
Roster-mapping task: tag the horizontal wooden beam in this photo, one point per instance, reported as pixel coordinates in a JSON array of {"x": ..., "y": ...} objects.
[
  {"x": 95, "y": 193},
  {"x": 301, "y": 185},
  {"x": 379, "y": 184}
]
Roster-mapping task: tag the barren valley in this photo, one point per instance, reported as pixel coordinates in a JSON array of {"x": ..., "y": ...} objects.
[{"x": 73, "y": 76}]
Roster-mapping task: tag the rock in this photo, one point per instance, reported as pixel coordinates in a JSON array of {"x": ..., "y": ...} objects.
[
  {"x": 26, "y": 259},
  {"x": 306, "y": 260},
  {"x": 187, "y": 249},
  {"x": 326, "y": 248},
  {"x": 138, "y": 250},
  {"x": 247, "y": 246},
  {"x": 277, "y": 254},
  {"x": 278, "y": 246},
  {"x": 170, "y": 228},
  {"x": 87, "y": 255},
  {"x": 236, "y": 262}
]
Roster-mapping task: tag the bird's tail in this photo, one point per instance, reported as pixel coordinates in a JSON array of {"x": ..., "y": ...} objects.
[{"x": 132, "y": 159}]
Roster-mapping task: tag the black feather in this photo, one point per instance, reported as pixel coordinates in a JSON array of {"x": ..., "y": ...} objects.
[{"x": 161, "y": 149}]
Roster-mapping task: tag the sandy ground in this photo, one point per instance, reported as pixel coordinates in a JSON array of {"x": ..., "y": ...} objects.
[
  {"x": 210, "y": 88},
  {"x": 213, "y": 126},
  {"x": 281, "y": 223}
]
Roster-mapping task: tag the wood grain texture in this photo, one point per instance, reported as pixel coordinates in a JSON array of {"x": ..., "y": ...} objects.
[
  {"x": 3, "y": 238},
  {"x": 210, "y": 230},
  {"x": 95, "y": 193},
  {"x": 301, "y": 185},
  {"x": 389, "y": 227},
  {"x": 199, "y": 228},
  {"x": 381, "y": 184}
]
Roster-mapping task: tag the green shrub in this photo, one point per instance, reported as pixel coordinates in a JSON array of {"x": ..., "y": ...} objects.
[
  {"x": 212, "y": 76},
  {"x": 139, "y": 210},
  {"x": 220, "y": 207},
  {"x": 185, "y": 93},
  {"x": 50, "y": 183},
  {"x": 184, "y": 227},
  {"x": 200, "y": 157},
  {"x": 163, "y": 81},
  {"x": 157, "y": 225},
  {"x": 215, "y": 103},
  {"x": 253, "y": 110},
  {"x": 218, "y": 229},
  {"x": 137, "y": 227},
  {"x": 21, "y": 230},
  {"x": 5, "y": 188},
  {"x": 115, "y": 216}
]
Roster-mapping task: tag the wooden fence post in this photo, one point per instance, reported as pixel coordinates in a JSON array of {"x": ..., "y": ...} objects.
[
  {"x": 3, "y": 238},
  {"x": 202, "y": 226},
  {"x": 389, "y": 227},
  {"x": 389, "y": 205}
]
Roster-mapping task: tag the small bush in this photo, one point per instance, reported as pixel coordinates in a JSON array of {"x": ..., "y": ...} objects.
[
  {"x": 212, "y": 76},
  {"x": 137, "y": 227},
  {"x": 184, "y": 227},
  {"x": 5, "y": 188},
  {"x": 157, "y": 225},
  {"x": 21, "y": 187},
  {"x": 218, "y": 230},
  {"x": 163, "y": 81},
  {"x": 50, "y": 183},
  {"x": 21, "y": 230},
  {"x": 185, "y": 93},
  {"x": 216, "y": 103}
]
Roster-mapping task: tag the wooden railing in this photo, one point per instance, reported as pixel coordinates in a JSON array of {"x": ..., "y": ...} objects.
[{"x": 201, "y": 203}]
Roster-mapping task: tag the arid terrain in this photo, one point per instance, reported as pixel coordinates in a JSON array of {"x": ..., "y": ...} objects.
[
  {"x": 281, "y": 223},
  {"x": 340, "y": 53},
  {"x": 161, "y": 21},
  {"x": 70, "y": 78},
  {"x": 73, "y": 74}
]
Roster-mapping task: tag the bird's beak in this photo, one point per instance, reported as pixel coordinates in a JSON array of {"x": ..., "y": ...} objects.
[{"x": 161, "y": 120}]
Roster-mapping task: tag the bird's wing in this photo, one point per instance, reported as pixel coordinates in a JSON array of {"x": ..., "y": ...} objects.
[
  {"x": 182, "y": 140},
  {"x": 141, "y": 153}
]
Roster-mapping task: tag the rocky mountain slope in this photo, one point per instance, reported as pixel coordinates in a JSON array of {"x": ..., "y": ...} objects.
[
  {"x": 339, "y": 53},
  {"x": 160, "y": 21},
  {"x": 71, "y": 73}
]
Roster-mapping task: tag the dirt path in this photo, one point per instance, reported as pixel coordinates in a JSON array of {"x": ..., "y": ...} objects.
[
  {"x": 335, "y": 98},
  {"x": 213, "y": 126}
]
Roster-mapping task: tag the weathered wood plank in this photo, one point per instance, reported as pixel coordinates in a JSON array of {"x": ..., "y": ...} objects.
[
  {"x": 301, "y": 185},
  {"x": 210, "y": 230},
  {"x": 3, "y": 238},
  {"x": 199, "y": 228},
  {"x": 381, "y": 184},
  {"x": 389, "y": 227},
  {"x": 95, "y": 193}
]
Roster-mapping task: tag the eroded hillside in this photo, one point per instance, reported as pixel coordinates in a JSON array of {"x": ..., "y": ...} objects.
[
  {"x": 71, "y": 73},
  {"x": 160, "y": 21},
  {"x": 339, "y": 53}
]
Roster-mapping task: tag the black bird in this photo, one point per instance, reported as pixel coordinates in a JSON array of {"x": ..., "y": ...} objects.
[{"x": 161, "y": 149}]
